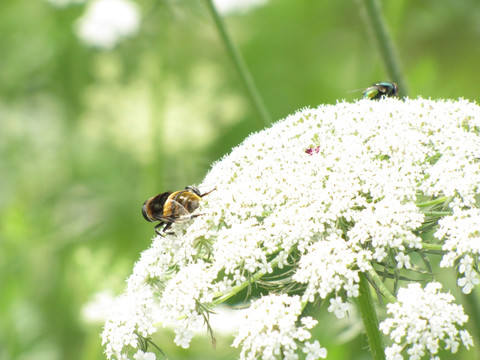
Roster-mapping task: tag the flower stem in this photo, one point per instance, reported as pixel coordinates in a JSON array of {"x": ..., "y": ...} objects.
[
  {"x": 221, "y": 297},
  {"x": 235, "y": 290},
  {"x": 473, "y": 308},
  {"x": 375, "y": 19},
  {"x": 370, "y": 320},
  {"x": 381, "y": 286},
  {"x": 240, "y": 65},
  {"x": 438, "y": 213},
  {"x": 433, "y": 247},
  {"x": 437, "y": 201}
]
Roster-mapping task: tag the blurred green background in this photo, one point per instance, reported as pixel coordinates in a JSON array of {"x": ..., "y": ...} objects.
[{"x": 86, "y": 135}]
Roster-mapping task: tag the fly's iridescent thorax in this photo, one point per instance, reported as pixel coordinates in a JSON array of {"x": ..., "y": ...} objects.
[{"x": 381, "y": 89}]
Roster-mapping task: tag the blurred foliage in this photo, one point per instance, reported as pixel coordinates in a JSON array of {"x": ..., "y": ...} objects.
[{"x": 87, "y": 135}]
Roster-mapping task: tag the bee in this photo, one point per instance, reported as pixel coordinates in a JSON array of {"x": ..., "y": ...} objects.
[
  {"x": 381, "y": 89},
  {"x": 170, "y": 207}
]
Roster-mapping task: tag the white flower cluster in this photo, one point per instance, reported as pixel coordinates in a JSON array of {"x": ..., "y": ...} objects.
[
  {"x": 272, "y": 331},
  {"x": 133, "y": 313},
  {"x": 421, "y": 320},
  {"x": 461, "y": 235},
  {"x": 386, "y": 224},
  {"x": 140, "y": 355},
  {"x": 191, "y": 285},
  {"x": 326, "y": 268},
  {"x": 318, "y": 196},
  {"x": 106, "y": 22}
]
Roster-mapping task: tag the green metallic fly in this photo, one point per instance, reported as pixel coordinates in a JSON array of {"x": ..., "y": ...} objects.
[{"x": 380, "y": 89}]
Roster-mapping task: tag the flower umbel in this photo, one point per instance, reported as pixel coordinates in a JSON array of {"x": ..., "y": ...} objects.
[
  {"x": 271, "y": 330},
  {"x": 301, "y": 210},
  {"x": 422, "y": 320},
  {"x": 461, "y": 235}
]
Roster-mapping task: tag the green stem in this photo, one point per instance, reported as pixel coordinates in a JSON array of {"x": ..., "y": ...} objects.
[
  {"x": 240, "y": 65},
  {"x": 381, "y": 286},
  {"x": 235, "y": 290},
  {"x": 434, "y": 201},
  {"x": 435, "y": 247},
  {"x": 385, "y": 44},
  {"x": 370, "y": 320},
  {"x": 473, "y": 309},
  {"x": 438, "y": 213},
  {"x": 224, "y": 297}
]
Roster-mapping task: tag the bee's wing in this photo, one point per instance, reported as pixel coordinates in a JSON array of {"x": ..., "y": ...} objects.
[{"x": 175, "y": 212}]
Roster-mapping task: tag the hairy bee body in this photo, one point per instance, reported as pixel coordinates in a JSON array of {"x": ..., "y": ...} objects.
[
  {"x": 170, "y": 207},
  {"x": 381, "y": 89}
]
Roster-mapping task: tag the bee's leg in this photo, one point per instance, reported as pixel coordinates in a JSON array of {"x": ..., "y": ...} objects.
[
  {"x": 202, "y": 195},
  {"x": 166, "y": 228},
  {"x": 158, "y": 231}
]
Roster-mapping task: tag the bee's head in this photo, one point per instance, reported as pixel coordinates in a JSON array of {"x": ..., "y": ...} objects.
[{"x": 145, "y": 210}]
